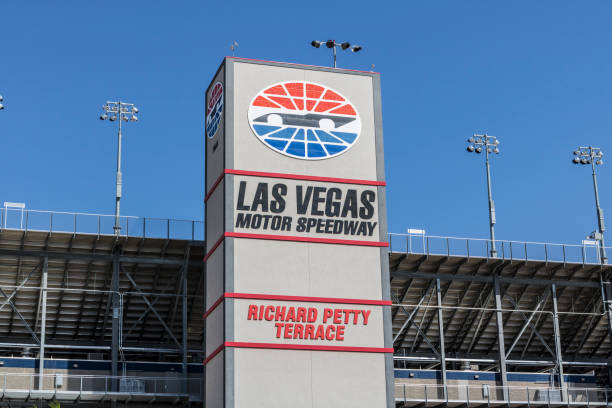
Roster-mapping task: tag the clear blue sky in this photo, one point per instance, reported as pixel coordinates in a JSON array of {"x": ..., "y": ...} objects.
[{"x": 535, "y": 74}]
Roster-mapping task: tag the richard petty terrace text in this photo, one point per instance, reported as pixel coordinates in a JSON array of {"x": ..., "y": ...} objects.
[{"x": 319, "y": 209}]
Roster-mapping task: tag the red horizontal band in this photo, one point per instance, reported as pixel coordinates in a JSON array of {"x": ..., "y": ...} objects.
[
  {"x": 214, "y": 353},
  {"x": 305, "y": 177},
  {"x": 214, "y": 306},
  {"x": 214, "y": 186},
  {"x": 214, "y": 247},
  {"x": 306, "y": 239},
  {"x": 308, "y": 347},
  {"x": 308, "y": 299}
]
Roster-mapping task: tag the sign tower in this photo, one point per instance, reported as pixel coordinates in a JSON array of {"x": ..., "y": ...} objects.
[{"x": 297, "y": 281}]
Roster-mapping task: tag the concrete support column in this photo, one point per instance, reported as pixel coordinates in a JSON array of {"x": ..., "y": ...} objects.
[
  {"x": 499, "y": 319},
  {"x": 43, "y": 321},
  {"x": 558, "y": 356},
  {"x": 441, "y": 330},
  {"x": 115, "y": 320}
]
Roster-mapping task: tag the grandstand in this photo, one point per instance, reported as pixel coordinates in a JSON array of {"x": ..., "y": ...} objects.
[
  {"x": 108, "y": 318},
  {"x": 118, "y": 320},
  {"x": 528, "y": 327}
]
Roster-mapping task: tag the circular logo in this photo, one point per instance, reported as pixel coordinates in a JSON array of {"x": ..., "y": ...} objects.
[
  {"x": 214, "y": 110},
  {"x": 304, "y": 120}
]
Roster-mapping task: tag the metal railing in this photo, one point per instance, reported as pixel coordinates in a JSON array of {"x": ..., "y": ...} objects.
[
  {"x": 481, "y": 248},
  {"x": 60, "y": 386},
  {"x": 490, "y": 394},
  {"x": 99, "y": 224}
]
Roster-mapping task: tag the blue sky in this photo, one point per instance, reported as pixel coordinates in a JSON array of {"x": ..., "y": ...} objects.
[{"x": 535, "y": 74}]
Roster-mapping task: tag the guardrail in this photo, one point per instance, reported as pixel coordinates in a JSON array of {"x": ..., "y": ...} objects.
[
  {"x": 90, "y": 387},
  {"x": 488, "y": 394},
  {"x": 99, "y": 224},
  {"x": 481, "y": 248}
]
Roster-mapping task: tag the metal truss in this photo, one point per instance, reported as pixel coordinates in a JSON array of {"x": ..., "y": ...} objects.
[
  {"x": 127, "y": 298},
  {"x": 505, "y": 315}
]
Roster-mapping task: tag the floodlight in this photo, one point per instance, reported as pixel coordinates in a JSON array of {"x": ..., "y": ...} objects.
[
  {"x": 332, "y": 44},
  {"x": 1, "y": 98},
  {"x": 489, "y": 144},
  {"x": 592, "y": 155},
  {"x": 123, "y": 112},
  {"x": 1, "y": 106}
]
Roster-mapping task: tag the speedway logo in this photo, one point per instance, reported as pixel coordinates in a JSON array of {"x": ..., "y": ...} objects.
[
  {"x": 214, "y": 110},
  {"x": 304, "y": 120}
]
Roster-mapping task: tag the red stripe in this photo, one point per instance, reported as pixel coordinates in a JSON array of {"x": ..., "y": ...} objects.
[
  {"x": 219, "y": 241},
  {"x": 214, "y": 353},
  {"x": 308, "y": 299},
  {"x": 305, "y": 177},
  {"x": 308, "y": 347},
  {"x": 213, "y": 307},
  {"x": 214, "y": 186},
  {"x": 306, "y": 239}
]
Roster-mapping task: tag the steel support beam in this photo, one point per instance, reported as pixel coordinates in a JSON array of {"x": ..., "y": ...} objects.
[
  {"x": 172, "y": 336},
  {"x": 557, "y": 332},
  {"x": 605, "y": 297},
  {"x": 499, "y": 319},
  {"x": 503, "y": 279},
  {"x": 43, "y": 322},
  {"x": 185, "y": 332},
  {"x": 23, "y": 320},
  {"x": 93, "y": 257},
  {"x": 412, "y": 314},
  {"x": 527, "y": 323},
  {"x": 441, "y": 330},
  {"x": 115, "y": 320},
  {"x": 533, "y": 327}
]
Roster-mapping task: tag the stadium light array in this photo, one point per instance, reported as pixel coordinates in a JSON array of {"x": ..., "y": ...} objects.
[
  {"x": 333, "y": 44},
  {"x": 488, "y": 144},
  {"x": 122, "y": 112},
  {"x": 585, "y": 155}
]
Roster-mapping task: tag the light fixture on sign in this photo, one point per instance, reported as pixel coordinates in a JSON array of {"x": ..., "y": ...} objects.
[{"x": 333, "y": 44}]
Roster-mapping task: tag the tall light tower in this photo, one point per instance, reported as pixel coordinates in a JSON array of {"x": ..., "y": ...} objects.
[
  {"x": 333, "y": 44},
  {"x": 592, "y": 155},
  {"x": 122, "y": 112},
  {"x": 490, "y": 144}
]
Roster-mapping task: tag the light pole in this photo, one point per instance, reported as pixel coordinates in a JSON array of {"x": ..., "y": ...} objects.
[
  {"x": 592, "y": 155},
  {"x": 123, "y": 112},
  {"x": 333, "y": 44},
  {"x": 490, "y": 144}
]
